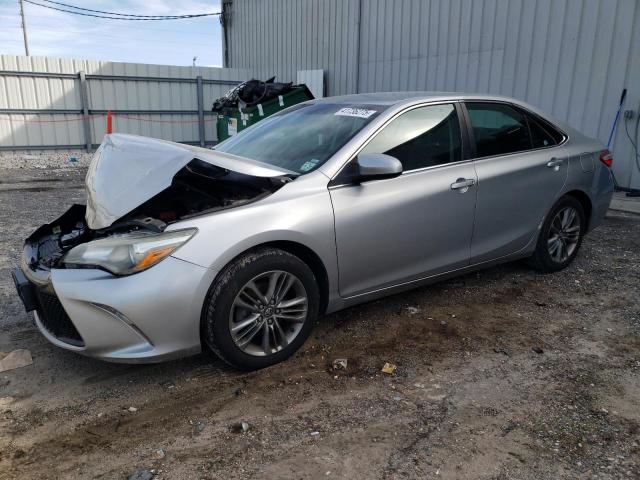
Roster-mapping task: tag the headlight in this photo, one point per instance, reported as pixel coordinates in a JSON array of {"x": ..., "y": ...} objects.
[{"x": 129, "y": 253}]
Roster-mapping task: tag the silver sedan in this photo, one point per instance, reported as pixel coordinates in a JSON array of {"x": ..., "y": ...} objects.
[{"x": 328, "y": 204}]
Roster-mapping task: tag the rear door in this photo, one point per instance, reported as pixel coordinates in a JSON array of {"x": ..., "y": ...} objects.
[
  {"x": 401, "y": 229},
  {"x": 520, "y": 174}
]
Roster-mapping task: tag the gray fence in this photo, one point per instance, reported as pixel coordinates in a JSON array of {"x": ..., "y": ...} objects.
[{"x": 52, "y": 103}]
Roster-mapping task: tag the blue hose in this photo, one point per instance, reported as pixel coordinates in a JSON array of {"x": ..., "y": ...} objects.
[{"x": 615, "y": 120}]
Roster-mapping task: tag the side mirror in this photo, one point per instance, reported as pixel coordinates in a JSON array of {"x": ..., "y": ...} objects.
[{"x": 376, "y": 166}]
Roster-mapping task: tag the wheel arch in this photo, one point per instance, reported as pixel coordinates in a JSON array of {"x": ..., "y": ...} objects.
[
  {"x": 586, "y": 203},
  {"x": 312, "y": 259},
  {"x": 303, "y": 252}
]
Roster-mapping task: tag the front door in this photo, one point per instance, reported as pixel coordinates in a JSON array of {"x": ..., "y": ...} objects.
[{"x": 418, "y": 224}]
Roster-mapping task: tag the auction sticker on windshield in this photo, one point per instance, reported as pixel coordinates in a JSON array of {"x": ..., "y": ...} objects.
[{"x": 355, "y": 112}]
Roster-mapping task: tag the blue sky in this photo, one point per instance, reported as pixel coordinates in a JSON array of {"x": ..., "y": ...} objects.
[{"x": 173, "y": 42}]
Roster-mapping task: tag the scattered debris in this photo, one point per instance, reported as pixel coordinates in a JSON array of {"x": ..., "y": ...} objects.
[
  {"x": 412, "y": 310},
  {"x": 15, "y": 359},
  {"x": 510, "y": 426},
  {"x": 313, "y": 434},
  {"x": 160, "y": 453},
  {"x": 389, "y": 368},
  {"x": 239, "y": 391},
  {"x": 436, "y": 397},
  {"x": 200, "y": 425},
  {"x": 19, "y": 453},
  {"x": 132, "y": 409},
  {"x": 141, "y": 475},
  {"x": 340, "y": 364},
  {"x": 240, "y": 427},
  {"x": 537, "y": 350},
  {"x": 502, "y": 350}
]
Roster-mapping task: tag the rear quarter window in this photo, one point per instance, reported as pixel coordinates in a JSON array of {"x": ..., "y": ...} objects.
[{"x": 542, "y": 133}]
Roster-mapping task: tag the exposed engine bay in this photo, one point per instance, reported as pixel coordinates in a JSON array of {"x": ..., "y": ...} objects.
[{"x": 196, "y": 189}]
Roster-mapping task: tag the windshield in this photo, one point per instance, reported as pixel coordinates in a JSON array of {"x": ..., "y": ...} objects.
[{"x": 302, "y": 139}]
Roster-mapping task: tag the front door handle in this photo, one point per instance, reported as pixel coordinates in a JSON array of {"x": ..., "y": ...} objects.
[
  {"x": 463, "y": 184},
  {"x": 555, "y": 164}
]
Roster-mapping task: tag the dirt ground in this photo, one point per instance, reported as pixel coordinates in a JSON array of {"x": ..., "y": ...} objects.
[{"x": 501, "y": 374}]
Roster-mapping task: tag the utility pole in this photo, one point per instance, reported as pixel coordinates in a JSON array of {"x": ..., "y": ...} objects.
[{"x": 24, "y": 29}]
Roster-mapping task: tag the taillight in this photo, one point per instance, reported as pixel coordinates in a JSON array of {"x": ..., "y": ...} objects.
[{"x": 606, "y": 157}]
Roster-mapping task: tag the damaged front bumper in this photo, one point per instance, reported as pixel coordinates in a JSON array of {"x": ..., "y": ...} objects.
[
  {"x": 122, "y": 296},
  {"x": 151, "y": 316},
  {"x": 147, "y": 317}
]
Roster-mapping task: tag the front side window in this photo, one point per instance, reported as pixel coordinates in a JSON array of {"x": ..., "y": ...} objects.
[
  {"x": 304, "y": 138},
  {"x": 498, "y": 129},
  {"x": 422, "y": 137}
]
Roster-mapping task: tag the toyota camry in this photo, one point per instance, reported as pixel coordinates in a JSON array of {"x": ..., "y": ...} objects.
[{"x": 330, "y": 203}]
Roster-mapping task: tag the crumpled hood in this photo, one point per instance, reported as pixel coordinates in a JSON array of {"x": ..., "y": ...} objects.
[{"x": 128, "y": 170}]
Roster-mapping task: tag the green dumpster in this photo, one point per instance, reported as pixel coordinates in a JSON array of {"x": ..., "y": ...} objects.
[{"x": 232, "y": 120}]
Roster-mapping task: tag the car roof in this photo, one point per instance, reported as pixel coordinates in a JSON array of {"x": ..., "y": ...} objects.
[
  {"x": 399, "y": 99},
  {"x": 393, "y": 98}
]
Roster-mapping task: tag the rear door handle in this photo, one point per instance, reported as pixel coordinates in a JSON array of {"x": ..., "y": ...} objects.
[
  {"x": 463, "y": 184},
  {"x": 555, "y": 164}
]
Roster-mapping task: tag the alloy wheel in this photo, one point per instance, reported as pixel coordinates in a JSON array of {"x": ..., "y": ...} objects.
[
  {"x": 268, "y": 313},
  {"x": 564, "y": 234}
]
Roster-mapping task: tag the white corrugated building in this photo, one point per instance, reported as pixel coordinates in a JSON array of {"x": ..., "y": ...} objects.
[{"x": 572, "y": 58}]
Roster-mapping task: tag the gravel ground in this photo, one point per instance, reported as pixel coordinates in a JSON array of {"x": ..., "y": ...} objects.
[
  {"x": 501, "y": 374},
  {"x": 44, "y": 161}
]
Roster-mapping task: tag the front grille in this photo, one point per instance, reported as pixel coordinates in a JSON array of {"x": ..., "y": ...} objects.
[{"x": 56, "y": 320}]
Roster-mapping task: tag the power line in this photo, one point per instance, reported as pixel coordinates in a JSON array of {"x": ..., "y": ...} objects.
[
  {"x": 134, "y": 15},
  {"x": 119, "y": 16},
  {"x": 140, "y": 28}
]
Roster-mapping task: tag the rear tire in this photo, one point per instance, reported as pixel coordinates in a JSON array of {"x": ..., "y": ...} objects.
[
  {"x": 560, "y": 236},
  {"x": 249, "y": 320}
]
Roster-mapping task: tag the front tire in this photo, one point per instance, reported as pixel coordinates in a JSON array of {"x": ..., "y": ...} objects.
[
  {"x": 260, "y": 309},
  {"x": 560, "y": 237}
]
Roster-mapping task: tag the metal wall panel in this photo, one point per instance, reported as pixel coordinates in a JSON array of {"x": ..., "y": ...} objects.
[
  {"x": 41, "y": 93},
  {"x": 280, "y": 37},
  {"x": 313, "y": 79},
  {"x": 571, "y": 58}
]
